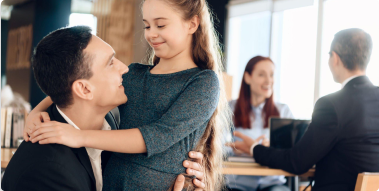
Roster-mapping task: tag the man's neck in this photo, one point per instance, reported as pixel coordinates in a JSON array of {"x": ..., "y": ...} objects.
[
  {"x": 85, "y": 116},
  {"x": 350, "y": 74}
]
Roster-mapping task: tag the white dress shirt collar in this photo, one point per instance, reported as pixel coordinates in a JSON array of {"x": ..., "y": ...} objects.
[{"x": 348, "y": 80}]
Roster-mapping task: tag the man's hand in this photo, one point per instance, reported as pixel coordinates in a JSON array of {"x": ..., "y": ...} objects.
[
  {"x": 34, "y": 120},
  {"x": 246, "y": 143},
  {"x": 193, "y": 168},
  {"x": 179, "y": 183},
  {"x": 265, "y": 142}
]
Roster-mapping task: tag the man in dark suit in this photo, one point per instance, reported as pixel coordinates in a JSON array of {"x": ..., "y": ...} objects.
[
  {"x": 343, "y": 138},
  {"x": 52, "y": 167},
  {"x": 83, "y": 78}
]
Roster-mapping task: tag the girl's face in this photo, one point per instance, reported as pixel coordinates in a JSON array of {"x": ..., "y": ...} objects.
[
  {"x": 165, "y": 30},
  {"x": 261, "y": 80}
]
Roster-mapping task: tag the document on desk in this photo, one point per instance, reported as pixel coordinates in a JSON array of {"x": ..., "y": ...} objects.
[{"x": 244, "y": 159}]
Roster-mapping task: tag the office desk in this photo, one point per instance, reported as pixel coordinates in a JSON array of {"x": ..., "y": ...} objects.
[
  {"x": 6, "y": 155},
  {"x": 255, "y": 169},
  {"x": 252, "y": 169}
]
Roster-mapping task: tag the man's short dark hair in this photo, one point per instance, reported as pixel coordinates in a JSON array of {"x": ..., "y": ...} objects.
[
  {"x": 59, "y": 60},
  {"x": 354, "y": 47}
]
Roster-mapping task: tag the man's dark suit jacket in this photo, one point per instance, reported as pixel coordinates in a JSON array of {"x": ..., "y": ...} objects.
[
  {"x": 342, "y": 139},
  {"x": 36, "y": 167}
]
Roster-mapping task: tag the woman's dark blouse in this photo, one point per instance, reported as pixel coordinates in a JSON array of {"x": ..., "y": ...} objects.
[{"x": 171, "y": 111}]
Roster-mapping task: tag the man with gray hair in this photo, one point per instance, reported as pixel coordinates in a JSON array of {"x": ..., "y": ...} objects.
[
  {"x": 349, "y": 54},
  {"x": 343, "y": 138}
]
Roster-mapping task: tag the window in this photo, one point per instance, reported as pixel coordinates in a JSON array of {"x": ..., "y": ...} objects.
[
  {"x": 287, "y": 31},
  {"x": 83, "y": 19},
  {"x": 293, "y": 51},
  {"x": 249, "y": 35},
  {"x": 363, "y": 14},
  {"x": 291, "y": 30}
]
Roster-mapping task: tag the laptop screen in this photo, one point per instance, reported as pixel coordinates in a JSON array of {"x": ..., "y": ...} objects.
[{"x": 285, "y": 133}]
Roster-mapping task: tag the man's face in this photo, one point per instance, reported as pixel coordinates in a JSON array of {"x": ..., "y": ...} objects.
[
  {"x": 106, "y": 81},
  {"x": 333, "y": 65}
]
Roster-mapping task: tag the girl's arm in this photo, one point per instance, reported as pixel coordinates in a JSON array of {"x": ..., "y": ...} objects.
[
  {"x": 123, "y": 141},
  {"x": 193, "y": 108},
  {"x": 37, "y": 116},
  {"x": 43, "y": 105},
  {"x": 103, "y": 140}
]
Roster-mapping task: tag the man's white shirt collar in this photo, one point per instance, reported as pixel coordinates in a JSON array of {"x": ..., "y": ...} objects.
[
  {"x": 93, "y": 153},
  {"x": 348, "y": 80}
]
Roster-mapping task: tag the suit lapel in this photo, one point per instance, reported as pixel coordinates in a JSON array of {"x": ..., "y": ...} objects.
[
  {"x": 81, "y": 153},
  {"x": 83, "y": 157}
]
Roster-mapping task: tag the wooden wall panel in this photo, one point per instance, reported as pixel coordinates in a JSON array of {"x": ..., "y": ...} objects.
[
  {"x": 19, "y": 47},
  {"x": 115, "y": 25}
]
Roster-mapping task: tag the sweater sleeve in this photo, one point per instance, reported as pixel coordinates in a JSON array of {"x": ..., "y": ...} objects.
[{"x": 192, "y": 109}]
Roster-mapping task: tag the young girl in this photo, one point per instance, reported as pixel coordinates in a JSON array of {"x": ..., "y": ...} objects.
[
  {"x": 175, "y": 105},
  {"x": 252, "y": 110}
]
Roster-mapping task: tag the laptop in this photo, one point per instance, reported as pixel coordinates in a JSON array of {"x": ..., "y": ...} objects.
[{"x": 285, "y": 133}]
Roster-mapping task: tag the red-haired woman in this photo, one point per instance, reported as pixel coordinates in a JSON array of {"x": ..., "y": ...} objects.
[{"x": 252, "y": 110}]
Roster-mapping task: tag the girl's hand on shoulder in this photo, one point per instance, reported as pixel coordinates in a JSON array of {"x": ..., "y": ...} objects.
[
  {"x": 56, "y": 132},
  {"x": 32, "y": 120}
]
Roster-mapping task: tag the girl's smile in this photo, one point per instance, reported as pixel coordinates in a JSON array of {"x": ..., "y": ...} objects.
[{"x": 156, "y": 44}]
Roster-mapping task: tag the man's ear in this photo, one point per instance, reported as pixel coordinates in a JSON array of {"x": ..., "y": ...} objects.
[
  {"x": 83, "y": 89},
  {"x": 194, "y": 24},
  {"x": 336, "y": 60},
  {"x": 246, "y": 78}
]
